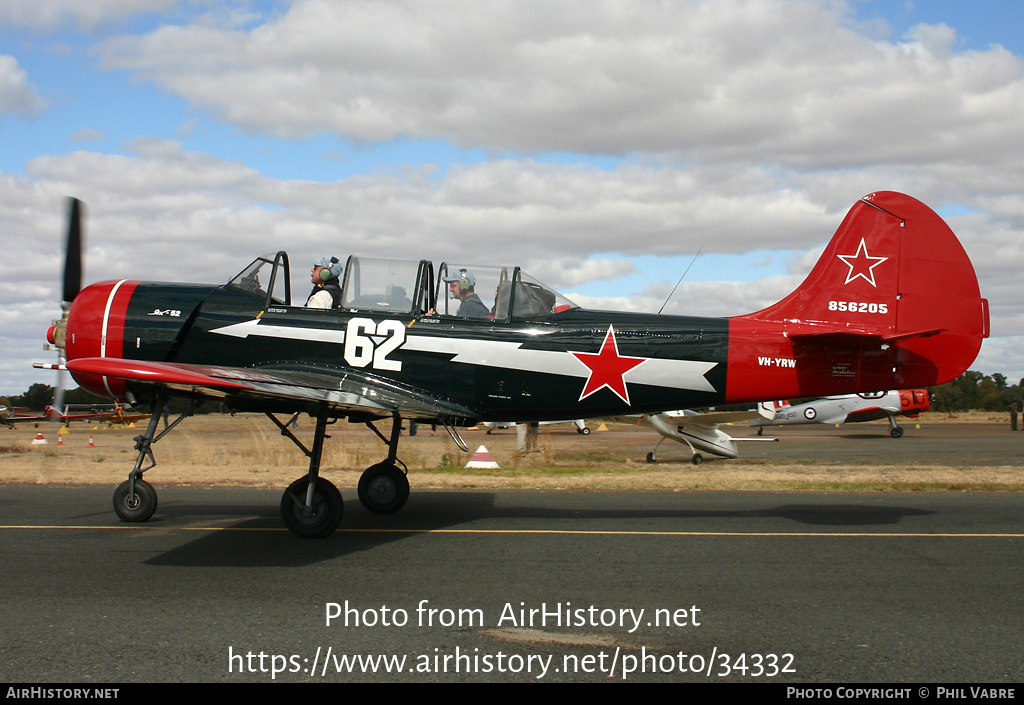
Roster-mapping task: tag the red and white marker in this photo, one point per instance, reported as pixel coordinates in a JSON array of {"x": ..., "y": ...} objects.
[{"x": 482, "y": 458}]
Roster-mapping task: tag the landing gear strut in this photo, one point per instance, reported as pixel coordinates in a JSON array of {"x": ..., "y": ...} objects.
[
  {"x": 696, "y": 458},
  {"x": 895, "y": 430},
  {"x": 311, "y": 507},
  {"x": 383, "y": 488},
  {"x": 135, "y": 499}
]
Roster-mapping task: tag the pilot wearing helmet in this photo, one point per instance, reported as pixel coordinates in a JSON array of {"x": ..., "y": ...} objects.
[
  {"x": 461, "y": 287},
  {"x": 326, "y": 286}
]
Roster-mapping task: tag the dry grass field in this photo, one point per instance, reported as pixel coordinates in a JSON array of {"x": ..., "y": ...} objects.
[{"x": 971, "y": 452}]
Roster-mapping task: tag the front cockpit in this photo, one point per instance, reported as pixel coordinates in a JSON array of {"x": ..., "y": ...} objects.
[
  {"x": 414, "y": 288},
  {"x": 266, "y": 276}
]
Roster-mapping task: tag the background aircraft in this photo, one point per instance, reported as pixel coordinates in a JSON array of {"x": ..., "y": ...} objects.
[
  {"x": 699, "y": 432},
  {"x": 11, "y": 415},
  {"x": 892, "y": 302},
  {"x": 106, "y": 413},
  {"x": 848, "y": 408}
]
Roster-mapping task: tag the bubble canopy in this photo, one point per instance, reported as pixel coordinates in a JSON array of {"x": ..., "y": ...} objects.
[{"x": 414, "y": 287}]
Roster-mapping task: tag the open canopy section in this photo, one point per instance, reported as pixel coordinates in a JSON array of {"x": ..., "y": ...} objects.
[{"x": 267, "y": 275}]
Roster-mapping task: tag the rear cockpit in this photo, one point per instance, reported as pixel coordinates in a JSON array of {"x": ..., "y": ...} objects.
[{"x": 410, "y": 288}]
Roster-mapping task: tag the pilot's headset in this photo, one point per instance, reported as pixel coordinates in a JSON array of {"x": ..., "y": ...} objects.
[
  {"x": 331, "y": 272},
  {"x": 465, "y": 279}
]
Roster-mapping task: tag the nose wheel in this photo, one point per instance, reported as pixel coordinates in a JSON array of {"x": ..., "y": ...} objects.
[
  {"x": 135, "y": 499},
  {"x": 134, "y": 505}
]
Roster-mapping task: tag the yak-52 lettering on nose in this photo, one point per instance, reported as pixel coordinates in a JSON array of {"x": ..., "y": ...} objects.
[{"x": 893, "y": 303}]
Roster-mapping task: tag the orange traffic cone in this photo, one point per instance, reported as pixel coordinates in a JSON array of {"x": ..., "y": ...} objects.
[{"x": 91, "y": 444}]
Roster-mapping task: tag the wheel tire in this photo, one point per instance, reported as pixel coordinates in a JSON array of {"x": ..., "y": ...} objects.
[
  {"x": 583, "y": 431},
  {"x": 138, "y": 507},
  {"x": 896, "y": 432},
  {"x": 651, "y": 458},
  {"x": 383, "y": 488},
  {"x": 698, "y": 458},
  {"x": 327, "y": 507}
]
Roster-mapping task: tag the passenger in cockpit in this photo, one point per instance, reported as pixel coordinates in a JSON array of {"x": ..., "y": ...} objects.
[
  {"x": 462, "y": 285},
  {"x": 326, "y": 286}
]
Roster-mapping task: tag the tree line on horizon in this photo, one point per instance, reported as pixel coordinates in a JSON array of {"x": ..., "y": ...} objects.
[{"x": 974, "y": 390}]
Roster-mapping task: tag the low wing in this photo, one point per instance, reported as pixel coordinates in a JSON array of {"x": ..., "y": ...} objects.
[
  {"x": 12, "y": 419},
  {"x": 691, "y": 418},
  {"x": 278, "y": 388},
  {"x": 872, "y": 414},
  {"x": 716, "y": 418},
  {"x": 711, "y": 421}
]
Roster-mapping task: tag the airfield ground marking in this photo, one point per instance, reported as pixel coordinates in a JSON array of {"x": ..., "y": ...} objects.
[{"x": 557, "y": 532}]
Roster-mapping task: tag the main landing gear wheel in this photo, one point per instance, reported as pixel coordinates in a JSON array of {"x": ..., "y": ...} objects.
[
  {"x": 651, "y": 457},
  {"x": 896, "y": 432},
  {"x": 321, "y": 517},
  {"x": 583, "y": 431},
  {"x": 697, "y": 459},
  {"x": 383, "y": 488},
  {"x": 139, "y": 506}
]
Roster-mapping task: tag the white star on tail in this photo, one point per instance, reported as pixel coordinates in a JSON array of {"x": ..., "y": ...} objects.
[{"x": 861, "y": 264}]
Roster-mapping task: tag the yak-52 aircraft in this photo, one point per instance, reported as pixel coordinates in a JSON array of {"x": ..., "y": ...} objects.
[
  {"x": 892, "y": 303},
  {"x": 847, "y": 408}
]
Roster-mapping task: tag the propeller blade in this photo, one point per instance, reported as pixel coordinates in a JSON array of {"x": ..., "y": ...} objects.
[
  {"x": 73, "y": 263},
  {"x": 58, "y": 402}
]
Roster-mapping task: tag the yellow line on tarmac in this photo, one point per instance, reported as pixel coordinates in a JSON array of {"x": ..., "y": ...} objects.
[{"x": 556, "y": 532}]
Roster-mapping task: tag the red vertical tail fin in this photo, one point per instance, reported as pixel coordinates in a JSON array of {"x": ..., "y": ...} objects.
[{"x": 895, "y": 284}]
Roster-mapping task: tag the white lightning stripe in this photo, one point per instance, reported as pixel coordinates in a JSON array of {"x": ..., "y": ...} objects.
[
  {"x": 680, "y": 374},
  {"x": 656, "y": 372},
  {"x": 254, "y": 327},
  {"x": 494, "y": 353}
]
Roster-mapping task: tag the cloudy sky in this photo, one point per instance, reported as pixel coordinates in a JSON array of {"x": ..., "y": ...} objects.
[{"x": 598, "y": 143}]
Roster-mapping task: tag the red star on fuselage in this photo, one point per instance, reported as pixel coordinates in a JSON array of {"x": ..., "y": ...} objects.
[
  {"x": 861, "y": 264},
  {"x": 607, "y": 368}
]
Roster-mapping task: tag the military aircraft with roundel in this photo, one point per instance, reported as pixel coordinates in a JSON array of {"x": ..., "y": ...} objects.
[
  {"x": 893, "y": 302},
  {"x": 847, "y": 408}
]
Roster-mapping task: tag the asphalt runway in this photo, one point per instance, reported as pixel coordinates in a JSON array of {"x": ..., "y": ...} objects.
[{"x": 734, "y": 587}]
